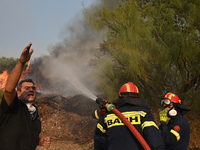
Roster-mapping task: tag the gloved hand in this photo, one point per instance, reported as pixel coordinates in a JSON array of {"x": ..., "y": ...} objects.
[
  {"x": 101, "y": 103},
  {"x": 163, "y": 116}
]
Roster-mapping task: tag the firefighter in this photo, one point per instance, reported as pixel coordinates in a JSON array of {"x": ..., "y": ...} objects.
[
  {"x": 100, "y": 140},
  {"x": 175, "y": 129},
  {"x": 139, "y": 115}
]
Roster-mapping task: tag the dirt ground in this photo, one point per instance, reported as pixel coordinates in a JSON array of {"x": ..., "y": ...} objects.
[{"x": 68, "y": 122}]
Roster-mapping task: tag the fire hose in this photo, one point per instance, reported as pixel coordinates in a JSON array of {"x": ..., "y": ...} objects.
[{"x": 111, "y": 107}]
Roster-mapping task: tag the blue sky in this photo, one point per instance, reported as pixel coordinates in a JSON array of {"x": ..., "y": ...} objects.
[{"x": 36, "y": 21}]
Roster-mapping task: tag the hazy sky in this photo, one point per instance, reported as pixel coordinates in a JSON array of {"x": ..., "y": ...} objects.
[{"x": 36, "y": 21}]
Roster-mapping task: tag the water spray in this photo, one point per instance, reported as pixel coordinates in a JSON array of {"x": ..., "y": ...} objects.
[
  {"x": 68, "y": 75},
  {"x": 82, "y": 88}
]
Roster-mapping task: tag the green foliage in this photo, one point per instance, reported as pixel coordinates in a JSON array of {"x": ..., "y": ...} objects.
[
  {"x": 154, "y": 45},
  {"x": 175, "y": 30},
  {"x": 1, "y": 94},
  {"x": 7, "y": 63}
]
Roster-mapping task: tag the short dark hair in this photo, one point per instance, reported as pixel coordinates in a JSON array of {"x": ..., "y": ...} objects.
[{"x": 19, "y": 85}]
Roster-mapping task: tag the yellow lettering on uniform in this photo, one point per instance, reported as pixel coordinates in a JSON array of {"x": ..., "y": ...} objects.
[
  {"x": 133, "y": 117},
  {"x": 117, "y": 120},
  {"x": 109, "y": 122}
]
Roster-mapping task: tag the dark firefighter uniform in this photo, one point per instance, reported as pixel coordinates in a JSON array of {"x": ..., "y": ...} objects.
[
  {"x": 138, "y": 113},
  {"x": 100, "y": 139},
  {"x": 176, "y": 133}
]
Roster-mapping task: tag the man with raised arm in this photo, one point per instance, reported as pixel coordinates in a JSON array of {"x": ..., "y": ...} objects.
[{"x": 20, "y": 125}]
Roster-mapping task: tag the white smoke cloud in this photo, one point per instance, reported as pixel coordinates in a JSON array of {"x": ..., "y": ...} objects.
[{"x": 67, "y": 65}]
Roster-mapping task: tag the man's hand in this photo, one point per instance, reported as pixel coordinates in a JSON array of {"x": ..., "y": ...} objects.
[
  {"x": 45, "y": 141},
  {"x": 26, "y": 54},
  {"x": 163, "y": 116},
  {"x": 15, "y": 74}
]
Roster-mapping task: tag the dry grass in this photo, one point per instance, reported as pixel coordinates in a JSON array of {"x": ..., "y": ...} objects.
[
  {"x": 69, "y": 124},
  {"x": 66, "y": 145}
]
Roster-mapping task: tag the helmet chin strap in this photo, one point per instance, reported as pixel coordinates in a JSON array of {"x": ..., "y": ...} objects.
[{"x": 172, "y": 112}]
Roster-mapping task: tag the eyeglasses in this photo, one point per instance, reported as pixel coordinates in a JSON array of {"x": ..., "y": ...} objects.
[
  {"x": 28, "y": 87},
  {"x": 165, "y": 102}
]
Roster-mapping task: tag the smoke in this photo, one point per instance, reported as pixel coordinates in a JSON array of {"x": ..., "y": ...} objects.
[{"x": 65, "y": 70}]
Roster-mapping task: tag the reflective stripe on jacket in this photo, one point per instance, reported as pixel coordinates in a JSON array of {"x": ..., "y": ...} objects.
[{"x": 120, "y": 137}]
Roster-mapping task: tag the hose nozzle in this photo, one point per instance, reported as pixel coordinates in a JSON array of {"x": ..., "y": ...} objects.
[{"x": 101, "y": 103}]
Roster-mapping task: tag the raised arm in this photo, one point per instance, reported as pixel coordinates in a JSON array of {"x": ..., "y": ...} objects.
[{"x": 15, "y": 74}]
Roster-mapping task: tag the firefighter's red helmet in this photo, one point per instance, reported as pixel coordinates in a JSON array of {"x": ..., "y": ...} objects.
[
  {"x": 170, "y": 98},
  {"x": 129, "y": 89}
]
